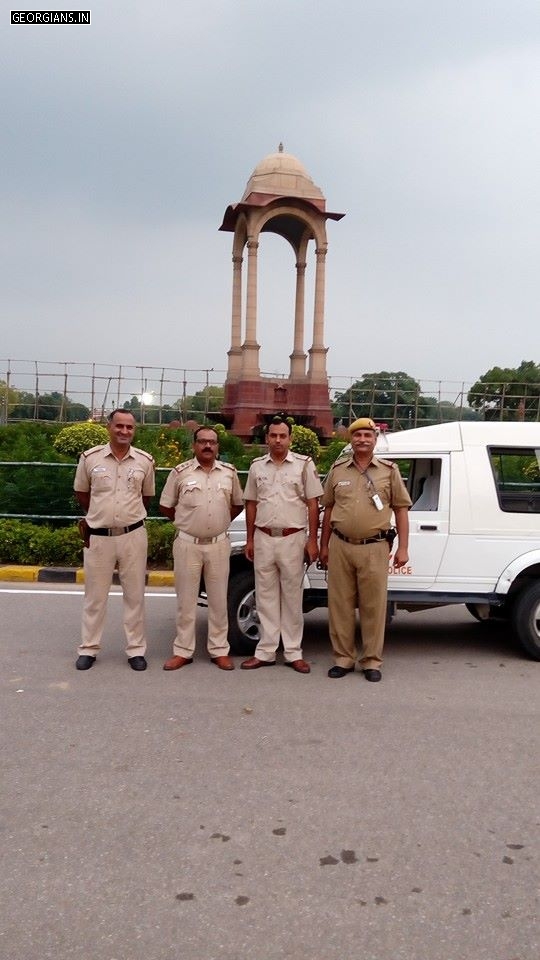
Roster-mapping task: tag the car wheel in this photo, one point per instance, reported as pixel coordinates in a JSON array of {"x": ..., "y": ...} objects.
[
  {"x": 244, "y": 630},
  {"x": 526, "y": 619}
]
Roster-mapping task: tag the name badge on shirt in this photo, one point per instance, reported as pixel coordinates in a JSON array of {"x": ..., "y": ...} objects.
[{"x": 343, "y": 483}]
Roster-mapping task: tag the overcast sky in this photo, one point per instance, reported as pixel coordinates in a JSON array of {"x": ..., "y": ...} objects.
[{"x": 124, "y": 142}]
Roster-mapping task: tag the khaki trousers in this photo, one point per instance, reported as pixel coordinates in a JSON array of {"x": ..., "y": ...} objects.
[
  {"x": 357, "y": 576},
  {"x": 190, "y": 561},
  {"x": 129, "y": 551},
  {"x": 279, "y": 584}
]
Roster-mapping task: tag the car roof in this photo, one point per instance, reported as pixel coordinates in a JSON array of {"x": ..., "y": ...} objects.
[{"x": 444, "y": 437}]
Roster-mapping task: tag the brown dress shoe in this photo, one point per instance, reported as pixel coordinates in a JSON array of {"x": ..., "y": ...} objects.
[
  {"x": 176, "y": 662},
  {"x": 254, "y": 663},
  {"x": 299, "y": 665},
  {"x": 224, "y": 663}
]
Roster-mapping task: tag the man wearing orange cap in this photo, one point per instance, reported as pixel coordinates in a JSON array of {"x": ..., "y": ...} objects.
[{"x": 360, "y": 493}]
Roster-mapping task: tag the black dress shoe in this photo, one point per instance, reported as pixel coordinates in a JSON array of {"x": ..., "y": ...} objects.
[
  {"x": 335, "y": 672},
  {"x": 137, "y": 663},
  {"x": 84, "y": 663},
  {"x": 373, "y": 675}
]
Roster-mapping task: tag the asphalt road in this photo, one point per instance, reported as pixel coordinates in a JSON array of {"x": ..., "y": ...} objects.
[{"x": 203, "y": 815}]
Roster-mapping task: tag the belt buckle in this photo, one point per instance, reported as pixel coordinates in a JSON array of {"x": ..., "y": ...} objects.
[{"x": 277, "y": 531}]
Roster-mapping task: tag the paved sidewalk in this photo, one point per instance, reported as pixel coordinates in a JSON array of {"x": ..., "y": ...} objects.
[{"x": 14, "y": 573}]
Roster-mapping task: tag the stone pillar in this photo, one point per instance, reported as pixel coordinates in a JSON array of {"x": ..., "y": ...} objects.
[
  {"x": 250, "y": 347},
  {"x": 235, "y": 352},
  {"x": 317, "y": 352},
  {"x": 298, "y": 357}
]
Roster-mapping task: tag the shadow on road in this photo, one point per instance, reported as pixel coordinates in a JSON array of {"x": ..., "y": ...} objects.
[{"x": 441, "y": 631}]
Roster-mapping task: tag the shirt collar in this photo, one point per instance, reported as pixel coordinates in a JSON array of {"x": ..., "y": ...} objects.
[
  {"x": 215, "y": 466},
  {"x": 108, "y": 452},
  {"x": 289, "y": 458},
  {"x": 372, "y": 463}
]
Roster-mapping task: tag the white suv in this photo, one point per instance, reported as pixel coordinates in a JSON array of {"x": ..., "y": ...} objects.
[{"x": 474, "y": 530}]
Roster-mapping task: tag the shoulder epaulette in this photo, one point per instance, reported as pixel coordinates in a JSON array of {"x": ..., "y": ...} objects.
[
  {"x": 229, "y": 466},
  {"x": 144, "y": 453},
  {"x": 86, "y": 453},
  {"x": 299, "y": 456},
  {"x": 387, "y": 463},
  {"x": 256, "y": 460},
  {"x": 180, "y": 467},
  {"x": 342, "y": 460}
]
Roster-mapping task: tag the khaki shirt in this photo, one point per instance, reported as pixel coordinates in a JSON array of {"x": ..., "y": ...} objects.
[
  {"x": 348, "y": 491},
  {"x": 202, "y": 499},
  {"x": 116, "y": 487},
  {"x": 281, "y": 490}
]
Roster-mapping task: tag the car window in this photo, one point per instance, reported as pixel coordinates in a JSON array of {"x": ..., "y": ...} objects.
[
  {"x": 516, "y": 472},
  {"x": 425, "y": 484}
]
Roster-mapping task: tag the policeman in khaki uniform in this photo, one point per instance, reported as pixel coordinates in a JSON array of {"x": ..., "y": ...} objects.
[
  {"x": 360, "y": 493},
  {"x": 114, "y": 484},
  {"x": 201, "y": 497},
  {"x": 281, "y": 497}
]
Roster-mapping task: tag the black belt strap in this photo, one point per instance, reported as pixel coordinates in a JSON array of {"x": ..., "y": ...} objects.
[
  {"x": 383, "y": 535},
  {"x": 114, "y": 531}
]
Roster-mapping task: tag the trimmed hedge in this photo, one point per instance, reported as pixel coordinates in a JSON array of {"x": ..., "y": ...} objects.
[{"x": 27, "y": 543}]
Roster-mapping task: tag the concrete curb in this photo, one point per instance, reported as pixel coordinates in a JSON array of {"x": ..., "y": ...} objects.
[{"x": 30, "y": 574}]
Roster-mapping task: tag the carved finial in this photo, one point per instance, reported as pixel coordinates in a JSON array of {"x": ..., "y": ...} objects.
[{"x": 280, "y": 148}]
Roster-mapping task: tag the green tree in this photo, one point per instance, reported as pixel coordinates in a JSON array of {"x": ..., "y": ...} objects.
[
  {"x": 48, "y": 406},
  {"x": 388, "y": 397},
  {"x": 505, "y": 393},
  {"x": 151, "y": 413},
  {"x": 447, "y": 411},
  {"x": 23, "y": 406},
  {"x": 8, "y": 399},
  {"x": 208, "y": 400},
  {"x": 54, "y": 406}
]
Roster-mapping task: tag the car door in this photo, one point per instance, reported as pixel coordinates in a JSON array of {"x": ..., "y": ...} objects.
[{"x": 427, "y": 477}]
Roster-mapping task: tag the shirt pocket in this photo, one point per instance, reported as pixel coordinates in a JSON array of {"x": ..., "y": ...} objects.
[
  {"x": 291, "y": 488},
  {"x": 344, "y": 492},
  {"x": 265, "y": 488},
  {"x": 191, "y": 495},
  {"x": 135, "y": 480},
  {"x": 100, "y": 480},
  {"x": 224, "y": 491}
]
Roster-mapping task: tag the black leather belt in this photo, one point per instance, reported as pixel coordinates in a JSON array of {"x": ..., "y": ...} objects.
[
  {"x": 383, "y": 535},
  {"x": 114, "y": 531}
]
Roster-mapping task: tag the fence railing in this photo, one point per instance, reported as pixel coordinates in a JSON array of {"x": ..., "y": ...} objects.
[{"x": 67, "y": 391}]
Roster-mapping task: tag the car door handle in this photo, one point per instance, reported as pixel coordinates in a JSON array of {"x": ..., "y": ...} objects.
[{"x": 428, "y": 526}]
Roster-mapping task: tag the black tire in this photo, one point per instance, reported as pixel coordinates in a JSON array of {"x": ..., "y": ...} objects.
[
  {"x": 526, "y": 619},
  {"x": 242, "y": 610}
]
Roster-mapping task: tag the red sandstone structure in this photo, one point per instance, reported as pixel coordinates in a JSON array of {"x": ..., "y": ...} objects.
[{"x": 280, "y": 198}]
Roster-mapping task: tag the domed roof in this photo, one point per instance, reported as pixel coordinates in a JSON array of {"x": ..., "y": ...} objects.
[{"x": 282, "y": 175}]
